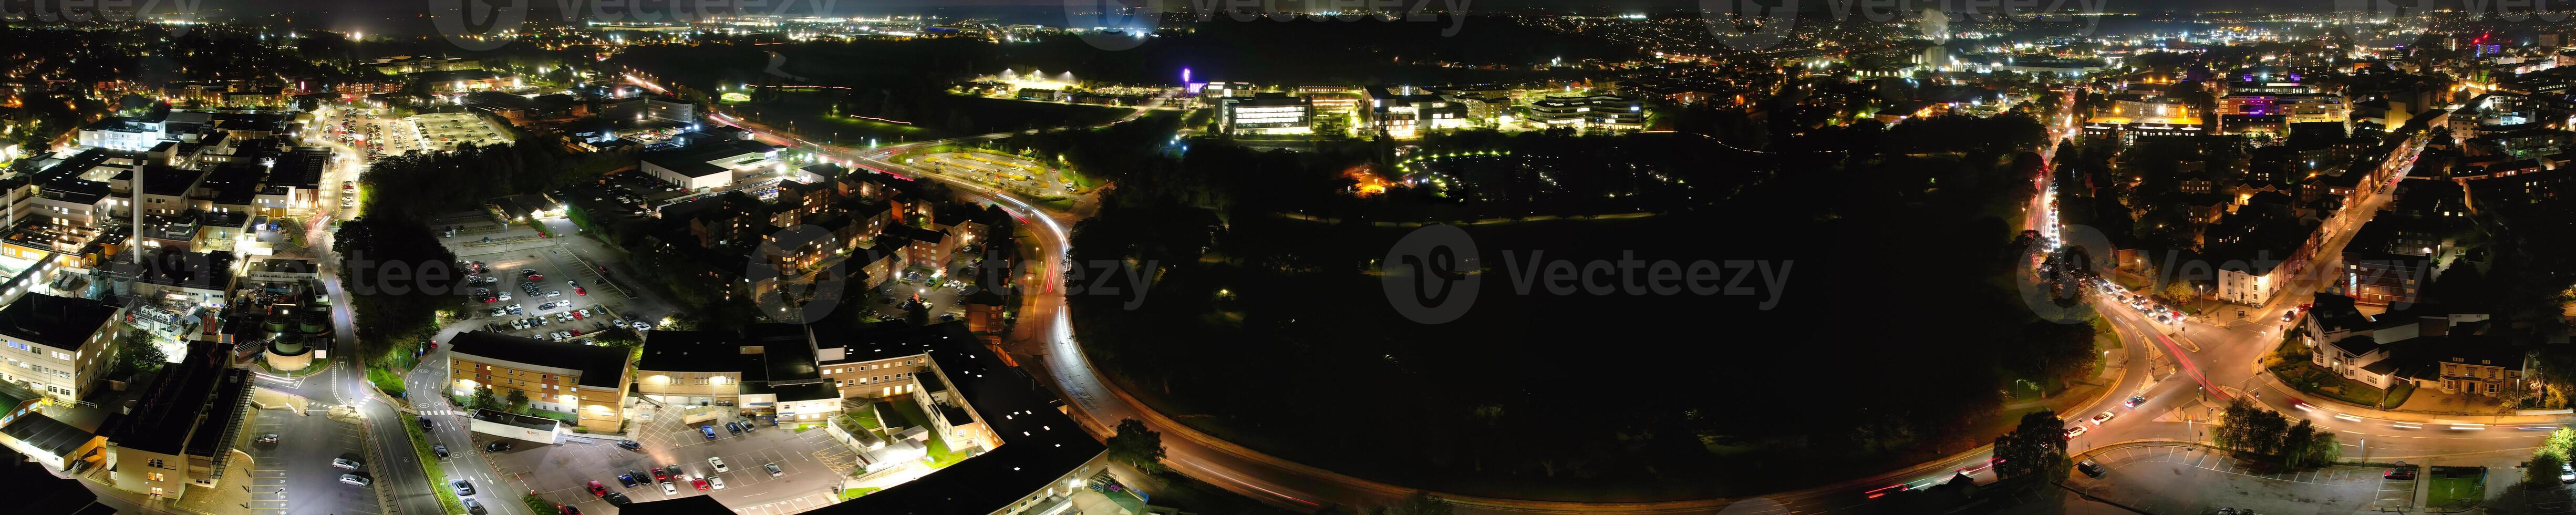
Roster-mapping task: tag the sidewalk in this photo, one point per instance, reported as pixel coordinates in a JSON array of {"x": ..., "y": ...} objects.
[{"x": 2267, "y": 380}]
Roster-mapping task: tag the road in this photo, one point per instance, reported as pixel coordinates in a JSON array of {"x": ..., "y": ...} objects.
[{"x": 2176, "y": 368}]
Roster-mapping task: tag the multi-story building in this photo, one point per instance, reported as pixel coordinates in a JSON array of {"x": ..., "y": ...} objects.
[
  {"x": 1405, "y": 112},
  {"x": 179, "y": 435},
  {"x": 130, "y": 134},
  {"x": 1266, "y": 113},
  {"x": 1611, "y": 110},
  {"x": 587, "y": 381},
  {"x": 56, "y": 346},
  {"x": 2483, "y": 369}
]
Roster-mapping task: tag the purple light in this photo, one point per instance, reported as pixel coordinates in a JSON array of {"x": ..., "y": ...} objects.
[{"x": 1185, "y": 75}]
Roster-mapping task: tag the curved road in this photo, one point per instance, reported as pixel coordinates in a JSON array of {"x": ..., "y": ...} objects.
[{"x": 2181, "y": 370}]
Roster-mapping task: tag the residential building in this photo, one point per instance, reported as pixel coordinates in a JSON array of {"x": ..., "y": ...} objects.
[{"x": 587, "y": 381}]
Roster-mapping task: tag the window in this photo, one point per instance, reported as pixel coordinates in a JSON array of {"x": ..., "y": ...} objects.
[
  {"x": 155, "y": 477},
  {"x": 155, "y": 463}
]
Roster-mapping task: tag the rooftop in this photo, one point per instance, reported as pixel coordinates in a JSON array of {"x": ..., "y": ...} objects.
[
  {"x": 690, "y": 351},
  {"x": 601, "y": 367},
  {"x": 1040, "y": 444},
  {"x": 700, "y": 159},
  {"x": 162, "y": 419},
  {"x": 58, "y": 322}
]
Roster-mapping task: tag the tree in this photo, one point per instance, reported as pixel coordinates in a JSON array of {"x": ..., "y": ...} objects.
[
  {"x": 1137, "y": 446},
  {"x": 2179, "y": 291},
  {"x": 484, "y": 399},
  {"x": 916, "y": 313},
  {"x": 2036, "y": 448},
  {"x": 518, "y": 400},
  {"x": 2560, "y": 442},
  {"x": 1420, "y": 503},
  {"x": 136, "y": 352},
  {"x": 2543, "y": 472}
]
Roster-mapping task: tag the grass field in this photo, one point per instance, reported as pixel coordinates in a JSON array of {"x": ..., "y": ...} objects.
[{"x": 2460, "y": 491}]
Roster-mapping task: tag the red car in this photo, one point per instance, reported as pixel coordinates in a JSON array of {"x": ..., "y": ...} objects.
[
  {"x": 701, "y": 483},
  {"x": 577, "y": 290},
  {"x": 661, "y": 475},
  {"x": 598, "y": 490},
  {"x": 569, "y": 510}
]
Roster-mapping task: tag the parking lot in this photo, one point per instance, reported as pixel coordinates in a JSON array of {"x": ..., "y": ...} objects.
[
  {"x": 440, "y": 132},
  {"x": 569, "y": 302},
  {"x": 294, "y": 475},
  {"x": 2166, "y": 478},
  {"x": 562, "y": 473},
  {"x": 1020, "y": 175}
]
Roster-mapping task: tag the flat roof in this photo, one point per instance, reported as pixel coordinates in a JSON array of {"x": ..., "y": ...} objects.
[
  {"x": 697, "y": 160},
  {"x": 601, "y": 367},
  {"x": 162, "y": 418},
  {"x": 58, "y": 322},
  {"x": 690, "y": 351},
  {"x": 45, "y": 433},
  {"x": 1039, "y": 442}
]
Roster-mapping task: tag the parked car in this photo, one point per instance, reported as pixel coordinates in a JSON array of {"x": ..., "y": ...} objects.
[
  {"x": 671, "y": 488},
  {"x": 718, "y": 463},
  {"x": 626, "y": 480},
  {"x": 772, "y": 468},
  {"x": 597, "y": 489},
  {"x": 630, "y": 445},
  {"x": 661, "y": 474},
  {"x": 709, "y": 430},
  {"x": 733, "y": 427},
  {"x": 354, "y": 479},
  {"x": 2089, "y": 468},
  {"x": 569, "y": 509},
  {"x": 717, "y": 480},
  {"x": 346, "y": 463},
  {"x": 699, "y": 482},
  {"x": 617, "y": 499},
  {"x": 268, "y": 439},
  {"x": 2399, "y": 474},
  {"x": 496, "y": 447}
]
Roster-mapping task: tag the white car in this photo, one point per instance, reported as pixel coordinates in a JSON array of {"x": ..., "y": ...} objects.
[
  {"x": 670, "y": 488},
  {"x": 2104, "y": 417},
  {"x": 718, "y": 463},
  {"x": 718, "y": 481},
  {"x": 354, "y": 479},
  {"x": 345, "y": 463}
]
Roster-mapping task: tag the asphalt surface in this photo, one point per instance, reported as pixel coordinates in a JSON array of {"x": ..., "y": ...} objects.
[{"x": 2176, "y": 367}]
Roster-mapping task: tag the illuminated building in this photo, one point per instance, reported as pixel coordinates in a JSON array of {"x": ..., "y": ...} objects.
[{"x": 1266, "y": 113}]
